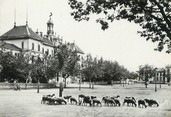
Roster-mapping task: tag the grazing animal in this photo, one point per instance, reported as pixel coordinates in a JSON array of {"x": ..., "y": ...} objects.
[
  {"x": 67, "y": 98},
  {"x": 87, "y": 100},
  {"x": 141, "y": 102},
  {"x": 59, "y": 101},
  {"x": 115, "y": 98},
  {"x": 108, "y": 101},
  {"x": 47, "y": 98},
  {"x": 96, "y": 102},
  {"x": 151, "y": 102},
  {"x": 81, "y": 96},
  {"x": 73, "y": 100},
  {"x": 116, "y": 101},
  {"x": 80, "y": 99},
  {"x": 93, "y": 97},
  {"x": 130, "y": 100}
]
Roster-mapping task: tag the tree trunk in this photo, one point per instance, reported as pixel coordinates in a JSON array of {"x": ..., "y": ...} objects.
[
  {"x": 26, "y": 85},
  {"x": 145, "y": 84},
  {"x": 90, "y": 83},
  {"x": 60, "y": 89},
  {"x": 65, "y": 83},
  {"x": 57, "y": 76},
  {"x": 38, "y": 86}
]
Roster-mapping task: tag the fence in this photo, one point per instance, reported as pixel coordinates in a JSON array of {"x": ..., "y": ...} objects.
[{"x": 26, "y": 86}]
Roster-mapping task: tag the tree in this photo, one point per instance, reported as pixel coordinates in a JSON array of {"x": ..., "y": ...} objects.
[
  {"x": 87, "y": 70},
  {"x": 67, "y": 60},
  {"x": 24, "y": 68},
  {"x": 146, "y": 72},
  {"x": 38, "y": 71},
  {"x": 103, "y": 70},
  {"x": 14, "y": 67},
  {"x": 154, "y": 16}
]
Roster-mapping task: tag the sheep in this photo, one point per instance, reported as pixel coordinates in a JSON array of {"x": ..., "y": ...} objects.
[
  {"x": 129, "y": 100},
  {"x": 151, "y": 102},
  {"x": 141, "y": 102}
]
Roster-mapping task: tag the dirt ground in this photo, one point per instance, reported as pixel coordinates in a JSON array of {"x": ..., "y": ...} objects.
[{"x": 27, "y": 103}]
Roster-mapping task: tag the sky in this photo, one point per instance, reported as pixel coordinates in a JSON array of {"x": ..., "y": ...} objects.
[{"x": 119, "y": 43}]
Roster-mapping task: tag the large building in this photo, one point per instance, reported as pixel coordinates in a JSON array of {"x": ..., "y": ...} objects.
[{"x": 24, "y": 39}]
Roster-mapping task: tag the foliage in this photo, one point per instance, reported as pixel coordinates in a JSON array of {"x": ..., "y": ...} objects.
[
  {"x": 14, "y": 67},
  {"x": 67, "y": 60},
  {"x": 104, "y": 70},
  {"x": 154, "y": 16},
  {"x": 38, "y": 71},
  {"x": 146, "y": 72}
]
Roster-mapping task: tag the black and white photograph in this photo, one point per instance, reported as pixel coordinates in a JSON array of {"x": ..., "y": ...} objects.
[{"x": 85, "y": 58}]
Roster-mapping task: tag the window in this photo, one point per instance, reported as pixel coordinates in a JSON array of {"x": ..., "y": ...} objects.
[
  {"x": 43, "y": 50},
  {"x": 47, "y": 52},
  {"x": 38, "y": 47},
  {"x": 22, "y": 45},
  {"x": 32, "y": 46}
]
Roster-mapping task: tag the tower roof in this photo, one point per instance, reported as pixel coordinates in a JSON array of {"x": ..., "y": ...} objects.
[
  {"x": 50, "y": 22},
  {"x": 20, "y": 32}
]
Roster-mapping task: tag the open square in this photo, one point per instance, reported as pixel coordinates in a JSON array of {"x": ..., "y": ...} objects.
[{"x": 27, "y": 103}]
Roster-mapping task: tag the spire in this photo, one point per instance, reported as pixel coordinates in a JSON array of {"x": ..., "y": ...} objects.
[
  {"x": 14, "y": 17},
  {"x": 50, "y": 15},
  {"x": 50, "y": 24},
  {"x": 27, "y": 16}
]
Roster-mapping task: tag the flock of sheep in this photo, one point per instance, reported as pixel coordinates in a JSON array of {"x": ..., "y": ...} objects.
[{"x": 93, "y": 101}]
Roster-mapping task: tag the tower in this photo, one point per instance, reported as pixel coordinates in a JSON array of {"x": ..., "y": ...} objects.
[{"x": 50, "y": 24}]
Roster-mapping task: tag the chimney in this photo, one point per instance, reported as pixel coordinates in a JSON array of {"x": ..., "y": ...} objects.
[
  {"x": 37, "y": 32},
  {"x": 41, "y": 34}
]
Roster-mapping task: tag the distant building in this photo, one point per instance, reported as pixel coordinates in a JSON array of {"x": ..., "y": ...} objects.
[
  {"x": 157, "y": 75},
  {"x": 160, "y": 76},
  {"x": 168, "y": 73}
]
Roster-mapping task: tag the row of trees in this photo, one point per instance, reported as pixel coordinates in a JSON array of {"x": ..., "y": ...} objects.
[
  {"x": 64, "y": 63},
  {"x": 25, "y": 68},
  {"x": 95, "y": 69}
]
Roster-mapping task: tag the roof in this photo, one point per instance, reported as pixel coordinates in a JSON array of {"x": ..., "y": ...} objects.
[
  {"x": 10, "y": 46},
  {"x": 46, "y": 41},
  {"x": 76, "y": 48},
  {"x": 20, "y": 32}
]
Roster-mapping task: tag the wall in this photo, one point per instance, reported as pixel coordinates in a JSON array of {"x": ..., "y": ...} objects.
[
  {"x": 18, "y": 42},
  {"x": 29, "y": 85}
]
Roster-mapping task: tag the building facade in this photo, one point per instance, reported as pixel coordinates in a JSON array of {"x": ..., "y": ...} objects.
[{"x": 24, "y": 39}]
